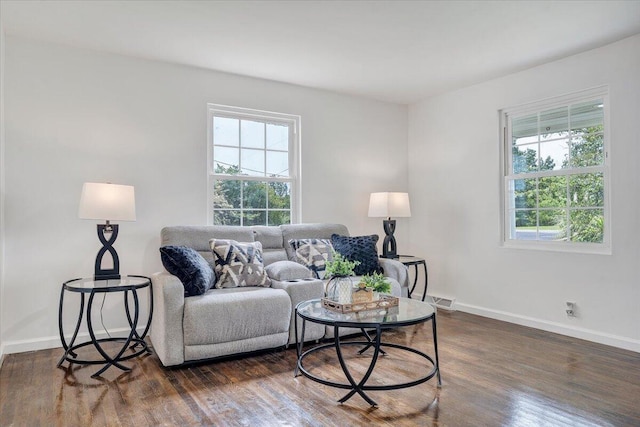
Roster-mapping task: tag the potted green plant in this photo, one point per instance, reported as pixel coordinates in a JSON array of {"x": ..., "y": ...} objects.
[
  {"x": 339, "y": 266},
  {"x": 338, "y": 269},
  {"x": 377, "y": 282}
]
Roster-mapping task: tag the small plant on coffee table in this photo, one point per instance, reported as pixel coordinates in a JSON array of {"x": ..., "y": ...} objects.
[{"x": 377, "y": 282}]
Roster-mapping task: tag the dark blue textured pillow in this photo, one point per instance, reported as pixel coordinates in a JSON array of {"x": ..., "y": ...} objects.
[
  {"x": 190, "y": 267},
  {"x": 359, "y": 248}
]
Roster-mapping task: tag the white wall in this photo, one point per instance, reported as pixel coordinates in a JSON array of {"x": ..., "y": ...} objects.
[
  {"x": 2, "y": 133},
  {"x": 455, "y": 189},
  {"x": 75, "y": 115}
]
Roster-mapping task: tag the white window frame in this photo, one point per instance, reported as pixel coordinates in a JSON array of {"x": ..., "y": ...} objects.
[
  {"x": 294, "y": 178},
  {"x": 506, "y": 172}
]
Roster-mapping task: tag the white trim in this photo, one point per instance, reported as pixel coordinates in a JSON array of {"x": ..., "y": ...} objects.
[
  {"x": 294, "y": 151},
  {"x": 45, "y": 343},
  {"x": 558, "y": 328},
  {"x": 2, "y": 188},
  {"x": 557, "y": 101}
]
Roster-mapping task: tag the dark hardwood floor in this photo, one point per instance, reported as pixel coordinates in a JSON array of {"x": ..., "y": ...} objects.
[{"x": 494, "y": 374}]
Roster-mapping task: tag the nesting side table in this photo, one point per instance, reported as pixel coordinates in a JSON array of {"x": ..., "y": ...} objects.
[{"x": 410, "y": 260}]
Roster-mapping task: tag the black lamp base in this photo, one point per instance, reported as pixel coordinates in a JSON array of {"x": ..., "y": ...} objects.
[
  {"x": 107, "y": 273},
  {"x": 389, "y": 249}
]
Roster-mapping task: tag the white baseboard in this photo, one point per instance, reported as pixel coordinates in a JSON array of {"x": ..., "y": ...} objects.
[
  {"x": 21, "y": 346},
  {"x": 558, "y": 328}
]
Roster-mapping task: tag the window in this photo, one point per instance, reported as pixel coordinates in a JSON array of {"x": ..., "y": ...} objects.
[
  {"x": 253, "y": 167},
  {"x": 556, "y": 173}
]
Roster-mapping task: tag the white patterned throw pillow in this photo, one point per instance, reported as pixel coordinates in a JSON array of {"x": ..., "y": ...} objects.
[
  {"x": 313, "y": 254},
  {"x": 238, "y": 264}
]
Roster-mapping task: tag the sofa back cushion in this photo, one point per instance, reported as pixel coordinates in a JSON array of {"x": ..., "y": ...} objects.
[
  {"x": 274, "y": 240},
  {"x": 272, "y": 245},
  {"x": 198, "y": 237},
  {"x": 309, "y": 231}
]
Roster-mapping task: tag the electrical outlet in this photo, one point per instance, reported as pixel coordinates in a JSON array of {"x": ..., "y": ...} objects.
[{"x": 571, "y": 309}]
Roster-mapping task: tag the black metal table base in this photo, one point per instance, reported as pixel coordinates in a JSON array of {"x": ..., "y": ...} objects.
[
  {"x": 415, "y": 265},
  {"x": 360, "y": 387}
]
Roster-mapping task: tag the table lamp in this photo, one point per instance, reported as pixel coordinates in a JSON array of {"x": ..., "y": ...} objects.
[
  {"x": 387, "y": 205},
  {"x": 108, "y": 202}
]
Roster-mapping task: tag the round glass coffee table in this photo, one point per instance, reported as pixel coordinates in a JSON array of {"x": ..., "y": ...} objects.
[{"x": 407, "y": 312}]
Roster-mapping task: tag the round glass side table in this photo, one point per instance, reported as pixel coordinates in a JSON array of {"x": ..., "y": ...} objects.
[{"x": 91, "y": 287}]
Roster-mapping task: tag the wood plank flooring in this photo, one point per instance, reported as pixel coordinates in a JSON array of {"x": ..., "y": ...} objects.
[{"x": 494, "y": 374}]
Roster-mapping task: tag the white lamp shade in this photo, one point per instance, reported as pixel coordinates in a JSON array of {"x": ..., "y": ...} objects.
[
  {"x": 111, "y": 202},
  {"x": 387, "y": 205}
]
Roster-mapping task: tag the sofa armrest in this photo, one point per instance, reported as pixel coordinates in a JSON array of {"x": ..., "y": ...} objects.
[
  {"x": 302, "y": 290},
  {"x": 396, "y": 270},
  {"x": 166, "y": 326}
]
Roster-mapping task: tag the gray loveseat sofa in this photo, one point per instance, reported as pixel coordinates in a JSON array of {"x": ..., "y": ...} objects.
[{"x": 232, "y": 321}]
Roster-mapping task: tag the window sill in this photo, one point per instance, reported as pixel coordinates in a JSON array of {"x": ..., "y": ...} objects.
[{"x": 579, "y": 248}]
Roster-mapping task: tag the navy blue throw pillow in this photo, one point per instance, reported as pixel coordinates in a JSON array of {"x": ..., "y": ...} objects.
[
  {"x": 360, "y": 248},
  {"x": 190, "y": 267}
]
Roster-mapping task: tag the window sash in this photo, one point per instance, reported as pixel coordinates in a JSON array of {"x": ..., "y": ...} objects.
[
  {"x": 510, "y": 175},
  {"x": 291, "y": 178}
]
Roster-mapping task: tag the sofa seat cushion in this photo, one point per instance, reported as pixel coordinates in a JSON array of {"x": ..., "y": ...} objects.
[{"x": 233, "y": 314}]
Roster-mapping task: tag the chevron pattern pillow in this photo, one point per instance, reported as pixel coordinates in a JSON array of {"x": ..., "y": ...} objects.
[
  {"x": 238, "y": 264},
  {"x": 313, "y": 254}
]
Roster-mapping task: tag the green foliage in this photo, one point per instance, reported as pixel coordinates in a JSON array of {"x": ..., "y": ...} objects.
[
  {"x": 263, "y": 203},
  {"x": 339, "y": 266},
  {"x": 377, "y": 282}
]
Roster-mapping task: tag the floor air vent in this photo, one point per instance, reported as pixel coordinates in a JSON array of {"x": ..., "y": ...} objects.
[{"x": 444, "y": 303}]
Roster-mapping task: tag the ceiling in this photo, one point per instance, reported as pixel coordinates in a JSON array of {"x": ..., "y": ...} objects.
[{"x": 395, "y": 51}]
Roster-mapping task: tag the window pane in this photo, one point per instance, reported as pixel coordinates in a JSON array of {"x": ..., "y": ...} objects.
[
  {"x": 226, "y": 217},
  {"x": 587, "y": 190},
  {"x": 254, "y": 195},
  {"x": 552, "y": 224},
  {"x": 277, "y": 137},
  {"x": 552, "y": 192},
  {"x": 524, "y": 193},
  {"x": 525, "y": 158},
  {"x": 554, "y": 154},
  {"x": 252, "y": 217},
  {"x": 252, "y": 162},
  {"x": 252, "y": 134},
  {"x": 277, "y": 163},
  {"x": 587, "y": 225},
  {"x": 526, "y": 223},
  {"x": 279, "y": 195},
  {"x": 525, "y": 129},
  {"x": 226, "y": 131},
  {"x": 226, "y": 194},
  {"x": 225, "y": 160},
  {"x": 587, "y": 150},
  {"x": 278, "y": 217},
  {"x": 554, "y": 123},
  {"x": 587, "y": 117}
]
